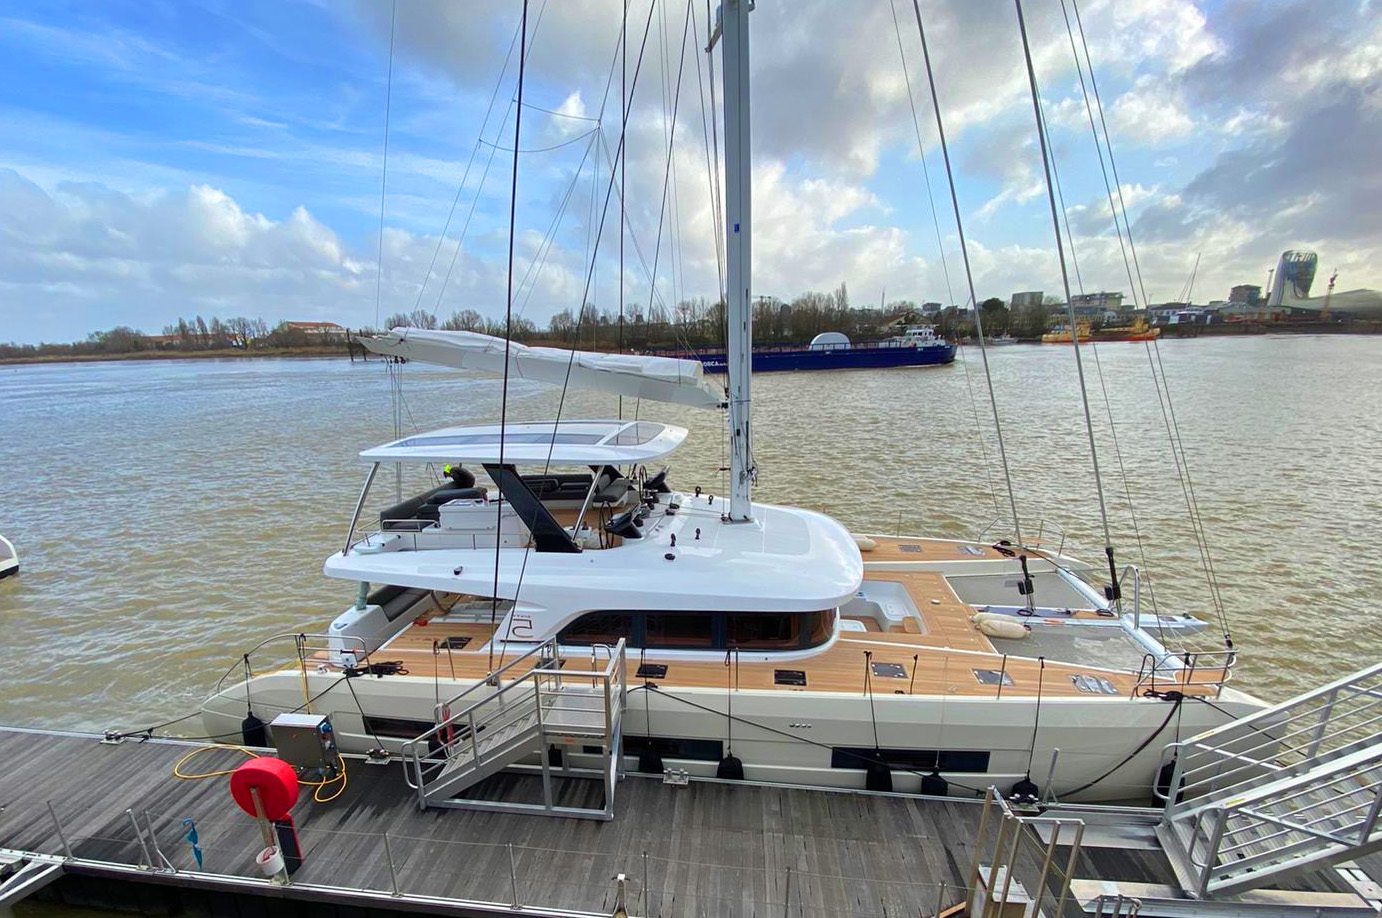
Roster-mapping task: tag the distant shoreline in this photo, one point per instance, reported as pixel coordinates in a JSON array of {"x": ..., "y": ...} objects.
[
  {"x": 1218, "y": 330},
  {"x": 335, "y": 350}
]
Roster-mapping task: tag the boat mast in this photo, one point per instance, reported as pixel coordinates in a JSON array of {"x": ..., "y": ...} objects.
[{"x": 734, "y": 32}]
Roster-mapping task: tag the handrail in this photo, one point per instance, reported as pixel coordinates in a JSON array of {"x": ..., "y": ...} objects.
[
  {"x": 1282, "y": 741},
  {"x": 519, "y": 699},
  {"x": 1272, "y": 712},
  {"x": 495, "y": 677},
  {"x": 295, "y": 636},
  {"x": 1176, "y": 670}
]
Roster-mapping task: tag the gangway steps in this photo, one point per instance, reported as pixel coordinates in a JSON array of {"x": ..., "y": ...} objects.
[
  {"x": 23, "y": 877},
  {"x": 516, "y": 713},
  {"x": 1294, "y": 788}
]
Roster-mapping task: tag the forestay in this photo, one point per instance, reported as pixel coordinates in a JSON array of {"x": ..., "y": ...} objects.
[{"x": 661, "y": 379}]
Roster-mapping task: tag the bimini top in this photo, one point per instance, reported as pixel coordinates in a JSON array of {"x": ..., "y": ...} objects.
[
  {"x": 662, "y": 379},
  {"x": 562, "y": 443}
]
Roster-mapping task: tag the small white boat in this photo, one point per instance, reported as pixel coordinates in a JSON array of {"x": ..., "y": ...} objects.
[{"x": 9, "y": 558}]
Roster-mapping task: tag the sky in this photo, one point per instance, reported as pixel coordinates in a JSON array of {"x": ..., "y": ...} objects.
[{"x": 166, "y": 159}]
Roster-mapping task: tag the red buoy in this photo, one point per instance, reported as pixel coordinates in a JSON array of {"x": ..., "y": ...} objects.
[{"x": 276, "y": 782}]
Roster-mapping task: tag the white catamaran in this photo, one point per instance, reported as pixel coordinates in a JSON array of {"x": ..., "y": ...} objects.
[{"x": 581, "y": 613}]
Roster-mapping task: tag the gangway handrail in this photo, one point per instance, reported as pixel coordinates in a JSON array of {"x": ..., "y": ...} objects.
[
  {"x": 1267, "y": 714},
  {"x": 530, "y": 683},
  {"x": 495, "y": 677},
  {"x": 1279, "y": 741}
]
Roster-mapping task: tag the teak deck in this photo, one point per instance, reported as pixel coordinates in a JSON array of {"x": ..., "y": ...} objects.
[{"x": 943, "y": 650}]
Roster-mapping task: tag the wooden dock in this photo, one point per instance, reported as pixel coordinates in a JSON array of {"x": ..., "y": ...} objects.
[{"x": 707, "y": 848}]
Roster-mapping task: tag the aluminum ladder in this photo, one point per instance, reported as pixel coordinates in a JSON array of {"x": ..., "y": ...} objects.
[
  {"x": 537, "y": 702},
  {"x": 1294, "y": 787}
]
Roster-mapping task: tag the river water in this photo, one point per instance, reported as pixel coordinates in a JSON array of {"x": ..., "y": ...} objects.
[{"x": 171, "y": 514}]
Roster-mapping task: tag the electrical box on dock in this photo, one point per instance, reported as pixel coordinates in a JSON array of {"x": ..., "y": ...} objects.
[{"x": 305, "y": 741}]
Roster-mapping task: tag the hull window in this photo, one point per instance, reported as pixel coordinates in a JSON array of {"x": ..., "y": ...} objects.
[
  {"x": 763, "y": 632},
  {"x": 671, "y": 747},
  {"x": 955, "y": 760},
  {"x": 678, "y": 630},
  {"x": 396, "y": 728},
  {"x": 599, "y": 628}
]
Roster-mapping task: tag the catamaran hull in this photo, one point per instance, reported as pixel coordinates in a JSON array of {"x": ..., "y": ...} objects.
[{"x": 1109, "y": 747}]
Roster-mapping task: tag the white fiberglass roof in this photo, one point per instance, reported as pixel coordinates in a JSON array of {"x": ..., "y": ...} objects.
[{"x": 562, "y": 443}]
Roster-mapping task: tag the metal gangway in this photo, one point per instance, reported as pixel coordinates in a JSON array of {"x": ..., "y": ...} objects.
[
  {"x": 542, "y": 706},
  {"x": 1295, "y": 787}
]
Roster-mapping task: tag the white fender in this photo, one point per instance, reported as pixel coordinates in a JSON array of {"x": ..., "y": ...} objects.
[{"x": 1001, "y": 626}]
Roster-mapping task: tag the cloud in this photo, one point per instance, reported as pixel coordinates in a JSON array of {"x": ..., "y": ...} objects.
[
  {"x": 145, "y": 260},
  {"x": 1236, "y": 138}
]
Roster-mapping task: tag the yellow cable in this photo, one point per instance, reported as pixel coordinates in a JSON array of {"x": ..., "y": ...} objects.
[
  {"x": 177, "y": 769},
  {"x": 316, "y": 793},
  {"x": 316, "y": 785}
]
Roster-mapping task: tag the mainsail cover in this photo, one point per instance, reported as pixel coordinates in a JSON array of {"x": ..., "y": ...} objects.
[{"x": 662, "y": 379}]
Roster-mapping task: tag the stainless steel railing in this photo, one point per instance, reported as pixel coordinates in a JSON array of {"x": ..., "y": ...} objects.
[
  {"x": 526, "y": 699},
  {"x": 306, "y": 647},
  {"x": 1329, "y": 722},
  {"x": 1204, "y": 672}
]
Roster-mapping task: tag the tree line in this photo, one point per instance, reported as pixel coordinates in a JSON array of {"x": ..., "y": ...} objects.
[
  {"x": 193, "y": 335},
  {"x": 691, "y": 325}
]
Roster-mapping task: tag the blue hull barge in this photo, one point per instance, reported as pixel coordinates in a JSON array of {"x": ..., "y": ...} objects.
[{"x": 918, "y": 347}]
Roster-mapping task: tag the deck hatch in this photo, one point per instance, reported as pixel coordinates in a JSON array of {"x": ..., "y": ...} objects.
[
  {"x": 992, "y": 677},
  {"x": 652, "y": 671},
  {"x": 454, "y": 642},
  {"x": 1093, "y": 685},
  {"x": 789, "y": 677},
  {"x": 889, "y": 670}
]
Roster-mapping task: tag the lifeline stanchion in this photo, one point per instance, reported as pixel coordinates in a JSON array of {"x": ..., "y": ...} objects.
[
  {"x": 393, "y": 873},
  {"x": 62, "y": 837},
  {"x": 513, "y": 875}
]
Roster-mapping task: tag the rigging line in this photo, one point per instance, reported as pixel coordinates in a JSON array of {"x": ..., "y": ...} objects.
[
  {"x": 1118, "y": 230},
  {"x": 716, "y": 194},
  {"x": 1108, "y": 140},
  {"x": 384, "y": 172},
  {"x": 667, "y": 172},
  {"x": 940, "y": 250},
  {"x": 465, "y": 228},
  {"x": 1168, "y": 412},
  {"x": 460, "y": 188},
  {"x": 969, "y": 274},
  {"x": 623, "y": 168},
  {"x": 1188, "y": 486},
  {"x": 1099, "y": 149},
  {"x": 549, "y": 111},
  {"x": 1108, "y": 405},
  {"x": 709, "y": 167},
  {"x": 1069, "y": 302},
  {"x": 535, "y": 266},
  {"x": 611, "y": 161},
  {"x": 556, "y": 146},
  {"x": 566, "y": 383},
  {"x": 475, "y": 202},
  {"x": 508, "y": 319},
  {"x": 1127, "y": 491},
  {"x": 921, "y": 151}
]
